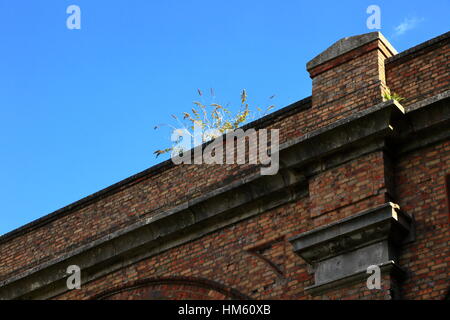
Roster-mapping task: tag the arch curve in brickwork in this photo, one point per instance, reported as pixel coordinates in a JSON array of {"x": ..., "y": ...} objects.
[{"x": 174, "y": 288}]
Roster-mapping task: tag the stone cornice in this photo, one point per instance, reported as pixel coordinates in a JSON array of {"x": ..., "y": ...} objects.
[
  {"x": 342, "y": 251},
  {"x": 373, "y": 225},
  {"x": 426, "y": 122}
]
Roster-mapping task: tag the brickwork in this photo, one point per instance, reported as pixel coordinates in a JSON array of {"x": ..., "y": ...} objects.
[
  {"x": 420, "y": 179},
  {"x": 222, "y": 256},
  {"x": 348, "y": 83},
  {"x": 348, "y": 189},
  {"x": 421, "y": 74},
  {"x": 253, "y": 257}
]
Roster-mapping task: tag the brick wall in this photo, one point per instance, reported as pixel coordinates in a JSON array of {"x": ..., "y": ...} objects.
[
  {"x": 420, "y": 179},
  {"x": 253, "y": 258},
  {"x": 422, "y": 73},
  {"x": 226, "y": 257},
  {"x": 348, "y": 189}
]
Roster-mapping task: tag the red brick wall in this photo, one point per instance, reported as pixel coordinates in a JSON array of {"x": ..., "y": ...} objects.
[
  {"x": 348, "y": 189},
  {"x": 422, "y": 74},
  {"x": 448, "y": 197},
  {"x": 233, "y": 256},
  {"x": 227, "y": 257},
  {"x": 420, "y": 180},
  {"x": 349, "y": 83},
  {"x": 119, "y": 209},
  {"x": 359, "y": 291}
]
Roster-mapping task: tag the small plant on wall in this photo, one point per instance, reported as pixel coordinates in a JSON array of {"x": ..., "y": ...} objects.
[
  {"x": 207, "y": 116},
  {"x": 387, "y": 95}
]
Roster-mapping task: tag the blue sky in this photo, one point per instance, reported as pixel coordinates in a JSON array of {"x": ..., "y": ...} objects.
[{"x": 78, "y": 107}]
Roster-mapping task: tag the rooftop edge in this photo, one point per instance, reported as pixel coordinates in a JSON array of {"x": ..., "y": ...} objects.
[{"x": 348, "y": 44}]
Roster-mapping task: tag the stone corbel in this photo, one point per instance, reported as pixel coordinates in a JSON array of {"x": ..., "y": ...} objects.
[{"x": 341, "y": 252}]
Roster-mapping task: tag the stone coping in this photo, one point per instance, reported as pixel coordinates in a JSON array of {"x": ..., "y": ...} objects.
[{"x": 348, "y": 44}]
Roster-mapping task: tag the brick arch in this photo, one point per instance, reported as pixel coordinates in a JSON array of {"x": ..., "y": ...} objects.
[{"x": 173, "y": 288}]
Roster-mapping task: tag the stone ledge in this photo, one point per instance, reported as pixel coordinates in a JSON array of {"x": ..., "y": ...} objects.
[
  {"x": 427, "y": 122},
  {"x": 344, "y": 249},
  {"x": 352, "y": 232}
]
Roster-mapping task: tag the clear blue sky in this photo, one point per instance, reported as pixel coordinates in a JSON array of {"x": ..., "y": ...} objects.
[{"x": 77, "y": 107}]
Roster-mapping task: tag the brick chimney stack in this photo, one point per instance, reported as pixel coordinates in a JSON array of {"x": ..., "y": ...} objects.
[{"x": 349, "y": 76}]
